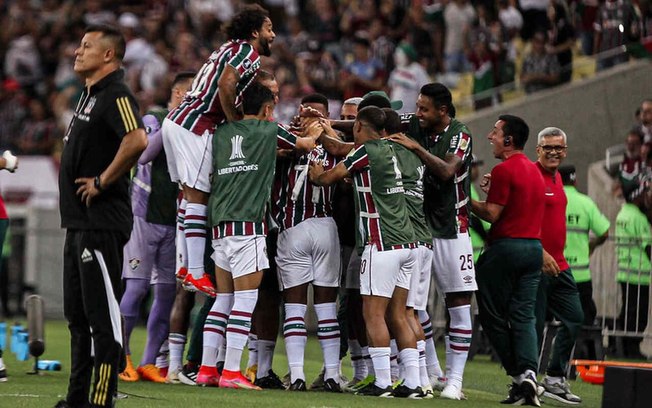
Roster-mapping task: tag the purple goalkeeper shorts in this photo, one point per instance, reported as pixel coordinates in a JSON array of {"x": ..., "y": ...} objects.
[{"x": 150, "y": 252}]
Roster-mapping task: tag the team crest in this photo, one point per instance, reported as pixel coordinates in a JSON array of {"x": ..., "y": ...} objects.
[
  {"x": 134, "y": 263},
  {"x": 464, "y": 144},
  {"x": 90, "y": 105},
  {"x": 246, "y": 63}
]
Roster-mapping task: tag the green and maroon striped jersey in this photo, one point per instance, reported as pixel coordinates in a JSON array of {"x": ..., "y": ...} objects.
[
  {"x": 382, "y": 215},
  {"x": 295, "y": 199},
  {"x": 412, "y": 170},
  {"x": 200, "y": 109},
  {"x": 446, "y": 203},
  {"x": 244, "y": 159}
]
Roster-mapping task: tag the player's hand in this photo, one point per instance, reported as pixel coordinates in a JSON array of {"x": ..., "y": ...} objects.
[
  {"x": 328, "y": 129},
  {"x": 309, "y": 112},
  {"x": 405, "y": 141},
  {"x": 87, "y": 189},
  {"x": 550, "y": 266},
  {"x": 313, "y": 130},
  {"x": 316, "y": 169},
  {"x": 11, "y": 161},
  {"x": 485, "y": 184}
]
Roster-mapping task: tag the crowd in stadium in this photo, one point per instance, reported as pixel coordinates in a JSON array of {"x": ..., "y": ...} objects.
[
  {"x": 339, "y": 49},
  {"x": 195, "y": 137}
]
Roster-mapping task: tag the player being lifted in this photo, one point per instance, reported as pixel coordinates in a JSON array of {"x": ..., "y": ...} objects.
[{"x": 188, "y": 130}]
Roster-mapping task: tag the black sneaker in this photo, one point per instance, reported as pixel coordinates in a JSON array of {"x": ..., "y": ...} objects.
[
  {"x": 188, "y": 374},
  {"x": 560, "y": 391},
  {"x": 62, "y": 404},
  {"x": 220, "y": 367},
  {"x": 297, "y": 385},
  {"x": 330, "y": 385},
  {"x": 402, "y": 391},
  {"x": 530, "y": 390},
  {"x": 515, "y": 397},
  {"x": 270, "y": 382},
  {"x": 3, "y": 374},
  {"x": 372, "y": 390}
]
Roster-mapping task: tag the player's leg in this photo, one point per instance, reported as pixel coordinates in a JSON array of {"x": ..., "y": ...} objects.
[
  {"x": 139, "y": 256},
  {"x": 326, "y": 282},
  {"x": 184, "y": 301},
  {"x": 247, "y": 258},
  {"x": 455, "y": 275}
]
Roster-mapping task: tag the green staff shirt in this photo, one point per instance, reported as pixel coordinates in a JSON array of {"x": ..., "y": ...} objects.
[
  {"x": 632, "y": 236},
  {"x": 582, "y": 216}
]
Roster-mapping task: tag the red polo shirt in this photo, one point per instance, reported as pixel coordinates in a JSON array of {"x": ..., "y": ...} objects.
[
  {"x": 517, "y": 185},
  {"x": 553, "y": 231}
]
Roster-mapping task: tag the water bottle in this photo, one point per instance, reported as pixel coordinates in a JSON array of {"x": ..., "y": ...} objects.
[
  {"x": 49, "y": 365},
  {"x": 14, "y": 336},
  {"x": 3, "y": 335},
  {"x": 22, "y": 348}
]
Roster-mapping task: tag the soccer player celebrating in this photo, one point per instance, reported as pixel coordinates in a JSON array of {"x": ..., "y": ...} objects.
[
  {"x": 309, "y": 253},
  {"x": 510, "y": 268},
  {"x": 386, "y": 237},
  {"x": 444, "y": 145},
  {"x": 188, "y": 130},
  {"x": 244, "y": 162}
]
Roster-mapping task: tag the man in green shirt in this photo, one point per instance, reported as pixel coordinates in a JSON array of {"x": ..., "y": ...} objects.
[
  {"x": 582, "y": 217},
  {"x": 633, "y": 240}
]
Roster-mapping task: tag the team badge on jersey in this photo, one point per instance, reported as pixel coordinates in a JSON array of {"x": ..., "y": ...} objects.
[
  {"x": 236, "y": 148},
  {"x": 464, "y": 144},
  {"x": 134, "y": 263},
  {"x": 90, "y": 105},
  {"x": 246, "y": 63}
]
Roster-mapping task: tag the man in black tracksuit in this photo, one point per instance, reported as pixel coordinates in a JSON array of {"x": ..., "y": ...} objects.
[{"x": 104, "y": 140}]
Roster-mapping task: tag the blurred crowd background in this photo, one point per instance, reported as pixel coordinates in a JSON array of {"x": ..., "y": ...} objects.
[{"x": 339, "y": 48}]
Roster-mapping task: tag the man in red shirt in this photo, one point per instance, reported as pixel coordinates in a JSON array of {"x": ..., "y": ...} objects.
[
  {"x": 509, "y": 270},
  {"x": 557, "y": 290}
]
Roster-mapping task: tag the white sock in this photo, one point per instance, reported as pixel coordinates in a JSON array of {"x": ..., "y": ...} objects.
[
  {"x": 393, "y": 361},
  {"x": 449, "y": 356},
  {"x": 380, "y": 358},
  {"x": 329, "y": 338},
  {"x": 459, "y": 334},
  {"x": 162, "y": 356},
  {"x": 294, "y": 332},
  {"x": 410, "y": 361},
  {"x": 237, "y": 329},
  {"x": 265, "y": 357},
  {"x": 357, "y": 361},
  {"x": 423, "y": 371},
  {"x": 518, "y": 379},
  {"x": 432, "y": 361},
  {"x": 366, "y": 356},
  {"x": 177, "y": 342},
  {"x": 554, "y": 380},
  {"x": 195, "y": 231},
  {"x": 252, "y": 346},
  {"x": 180, "y": 238},
  {"x": 215, "y": 328}
]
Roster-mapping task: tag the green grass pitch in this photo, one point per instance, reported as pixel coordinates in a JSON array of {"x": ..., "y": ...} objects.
[{"x": 484, "y": 384}]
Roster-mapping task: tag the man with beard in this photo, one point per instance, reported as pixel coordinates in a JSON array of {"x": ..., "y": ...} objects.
[{"x": 187, "y": 131}]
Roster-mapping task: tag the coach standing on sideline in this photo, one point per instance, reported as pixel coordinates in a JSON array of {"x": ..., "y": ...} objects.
[
  {"x": 104, "y": 140},
  {"x": 509, "y": 270}
]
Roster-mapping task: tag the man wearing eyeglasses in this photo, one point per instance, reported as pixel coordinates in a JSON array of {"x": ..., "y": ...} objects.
[{"x": 557, "y": 292}]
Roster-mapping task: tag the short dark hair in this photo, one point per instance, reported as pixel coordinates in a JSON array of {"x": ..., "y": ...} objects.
[
  {"x": 113, "y": 34},
  {"x": 182, "y": 77},
  {"x": 440, "y": 95},
  {"x": 315, "y": 98},
  {"x": 250, "y": 19},
  {"x": 516, "y": 128},
  {"x": 567, "y": 173},
  {"x": 638, "y": 132},
  {"x": 392, "y": 121},
  {"x": 372, "y": 116},
  {"x": 378, "y": 101},
  {"x": 254, "y": 97}
]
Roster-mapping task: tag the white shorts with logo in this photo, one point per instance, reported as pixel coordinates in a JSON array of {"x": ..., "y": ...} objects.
[
  {"x": 309, "y": 252},
  {"x": 382, "y": 271},
  {"x": 452, "y": 264},
  {"x": 189, "y": 156},
  {"x": 420, "y": 281},
  {"x": 241, "y": 255},
  {"x": 353, "y": 271}
]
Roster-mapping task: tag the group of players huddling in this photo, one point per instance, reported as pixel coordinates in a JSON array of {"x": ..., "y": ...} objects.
[{"x": 406, "y": 179}]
